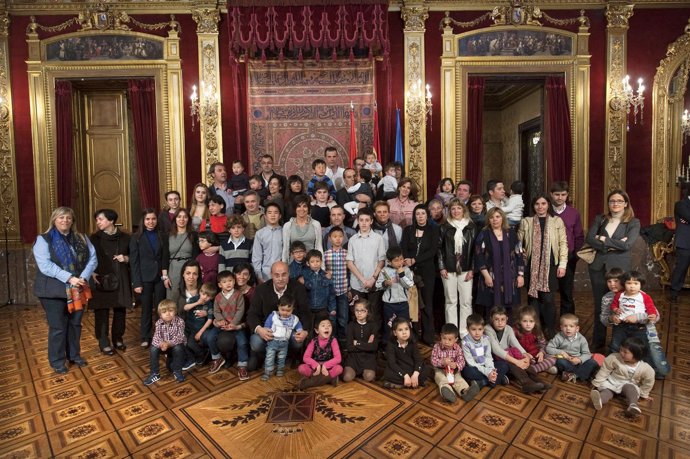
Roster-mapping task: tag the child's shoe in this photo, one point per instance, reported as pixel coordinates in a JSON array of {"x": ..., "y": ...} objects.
[
  {"x": 568, "y": 377},
  {"x": 505, "y": 381},
  {"x": 334, "y": 381},
  {"x": 179, "y": 377},
  {"x": 189, "y": 365},
  {"x": 390, "y": 385},
  {"x": 471, "y": 391},
  {"x": 265, "y": 377},
  {"x": 552, "y": 370},
  {"x": 633, "y": 410},
  {"x": 448, "y": 394},
  {"x": 216, "y": 365},
  {"x": 152, "y": 378},
  {"x": 280, "y": 373},
  {"x": 595, "y": 395},
  {"x": 242, "y": 373}
]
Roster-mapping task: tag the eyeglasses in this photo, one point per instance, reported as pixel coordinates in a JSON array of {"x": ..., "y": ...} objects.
[
  {"x": 616, "y": 201},
  {"x": 360, "y": 310}
]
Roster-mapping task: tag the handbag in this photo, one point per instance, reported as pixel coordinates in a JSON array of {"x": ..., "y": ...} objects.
[
  {"x": 587, "y": 253},
  {"x": 109, "y": 283}
]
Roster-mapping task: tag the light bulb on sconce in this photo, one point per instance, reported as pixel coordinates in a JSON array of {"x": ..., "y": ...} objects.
[
  {"x": 625, "y": 96},
  {"x": 419, "y": 101},
  {"x": 685, "y": 126},
  {"x": 206, "y": 108},
  {"x": 195, "y": 107}
]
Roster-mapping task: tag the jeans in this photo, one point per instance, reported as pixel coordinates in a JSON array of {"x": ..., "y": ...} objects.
[
  {"x": 583, "y": 370},
  {"x": 117, "y": 330},
  {"x": 470, "y": 373},
  {"x": 273, "y": 348},
  {"x": 176, "y": 355},
  {"x": 152, "y": 293},
  {"x": 223, "y": 341},
  {"x": 394, "y": 309},
  {"x": 342, "y": 306},
  {"x": 458, "y": 293},
  {"x": 64, "y": 331},
  {"x": 599, "y": 288},
  {"x": 258, "y": 346},
  {"x": 197, "y": 347},
  {"x": 656, "y": 356}
]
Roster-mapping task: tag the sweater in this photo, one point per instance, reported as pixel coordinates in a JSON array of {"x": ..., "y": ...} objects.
[
  {"x": 508, "y": 339},
  {"x": 397, "y": 291},
  {"x": 478, "y": 354},
  {"x": 229, "y": 309},
  {"x": 265, "y": 301},
  {"x": 403, "y": 360},
  {"x": 576, "y": 346},
  {"x": 282, "y": 328},
  {"x": 573, "y": 228},
  {"x": 614, "y": 373},
  {"x": 322, "y": 343}
]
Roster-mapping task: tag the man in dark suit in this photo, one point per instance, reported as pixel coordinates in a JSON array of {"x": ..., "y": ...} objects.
[{"x": 681, "y": 212}]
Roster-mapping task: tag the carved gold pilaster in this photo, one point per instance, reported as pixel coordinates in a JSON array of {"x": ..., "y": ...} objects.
[
  {"x": 207, "y": 20},
  {"x": 617, "y": 16},
  {"x": 9, "y": 216},
  {"x": 414, "y": 14}
]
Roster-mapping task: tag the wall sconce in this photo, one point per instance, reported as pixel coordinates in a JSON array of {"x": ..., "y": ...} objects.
[
  {"x": 625, "y": 96},
  {"x": 199, "y": 109},
  {"x": 419, "y": 103},
  {"x": 685, "y": 126}
]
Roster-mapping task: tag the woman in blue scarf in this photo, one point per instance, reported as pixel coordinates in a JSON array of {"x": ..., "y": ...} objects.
[{"x": 65, "y": 259}]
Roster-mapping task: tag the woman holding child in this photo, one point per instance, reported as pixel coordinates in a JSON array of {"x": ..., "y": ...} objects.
[
  {"x": 612, "y": 234},
  {"x": 545, "y": 247}
]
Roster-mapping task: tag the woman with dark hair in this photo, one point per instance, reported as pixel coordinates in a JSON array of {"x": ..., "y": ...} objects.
[
  {"x": 65, "y": 259},
  {"x": 245, "y": 281},
  {"x": 113, "y": 286},
  {"x": 302, "y": 228},
  {"x": 545, "y": 247},
  {"x": 477, "y": 210},
  {"x": 498, "y": 258},
  {"x": 146, "y": 260},
  {"x": 187, "y": 299},
  {"x": 612, "y": 235},
  {"x": 402, "y": 206},
  {"x": 199, "y": 208},
  {"x": 183, "y": 245},
  {"x": 295, "y": 188},
  {"x": 419, "y": 246},
  {"x": 275, "y": 193}
]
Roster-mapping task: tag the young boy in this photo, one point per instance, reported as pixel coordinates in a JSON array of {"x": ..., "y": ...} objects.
[
  {"x": 209, "y": 257},
  {"x": 389, "y": 184},
  {"x": 479, "y": 365},
  {"x": 239, "y": 181},
  {"x": 396, "y": 279},
  {"x": 321, "y": 206},
  {"x": 199, "y": 321},
  {"x": 298, "y": 252},
  {"x": 256, "y": 183},
  {"x": 448, "y": 362},
  {"x": 505, "y": 347},
  {"x": 282, "y": 323},
  {"x": 169, "y": 338},
  {"x": 372, "y": 164},
  {"x": 228, "y": 323},
  {"x": 319, "y": 286},
  {"x": 253, "y": 215},
  {"x": 634, "y": 315},
  {"x": 268, "y": 243},
  {"x": 515, "y": 205},
  {"x": 336, "y": 267},
  {"x": 572, "y": 351},
  {"x": 237, "y": 249},
  {"x": 319, "y": 168}
]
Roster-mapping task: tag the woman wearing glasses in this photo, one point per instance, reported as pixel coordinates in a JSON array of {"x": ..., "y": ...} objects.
[{"x": 612, "y": 234}]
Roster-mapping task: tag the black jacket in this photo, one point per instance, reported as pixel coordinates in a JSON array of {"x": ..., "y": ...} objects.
[
  {"x": 428, "y": 246},
  {"x": 446, "y": 247},
  {"x": 265, "y": 301}
]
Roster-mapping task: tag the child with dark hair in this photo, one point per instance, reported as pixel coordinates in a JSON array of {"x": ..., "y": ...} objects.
[
  {"x": 446, "y": 190},
  {"x": 396, "y": 279},
  {"x": 237, "y": 248},
  {"x": 614, "y": 283},
  {"x": 479, "y": 365},
  {"x": 319, "y": 168},
  {"x": 321, "y": 205},
  {"x": 515, "y": 206},
  {"x": 298, "y": 252},
  {"x": 322, "y": 356},
  {"x": 199, "y": 322},
  {"x": 319, "y": 286},
  {"x": 405, "y": 367},
  {"x": 217, "y": 220},
  {"x": 209, "y": 258},
  {"x": 282, "y": 324},
  {"x": 362, "y": 343},
  {"x": 626, "y": 374},
  {"x": 448, "y": 362}
]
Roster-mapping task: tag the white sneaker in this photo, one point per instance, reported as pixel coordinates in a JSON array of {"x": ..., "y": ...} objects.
[
  {"x": 552, "y": 370},
  {"x": 595, "y": 395}
]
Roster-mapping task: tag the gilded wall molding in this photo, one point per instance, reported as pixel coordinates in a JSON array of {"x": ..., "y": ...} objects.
[
  {"x": 9, "y": 215},
  {"x": 617, "y": 16},
  {"x": 414, "y": 15},
  {"x": 666, "y": 135},
  {"x": 209, "y": 87}
]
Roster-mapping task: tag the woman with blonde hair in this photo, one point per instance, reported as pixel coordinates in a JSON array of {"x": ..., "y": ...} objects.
[
  {"x": 66, "y": 259},
  {"x": 199, "y": 208}
]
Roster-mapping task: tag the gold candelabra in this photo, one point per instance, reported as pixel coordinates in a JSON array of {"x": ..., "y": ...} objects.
[
  {"x": 199, "y": 108},
  {"x": 624, "y": 95},
  {"x": 419, "y": 103}
]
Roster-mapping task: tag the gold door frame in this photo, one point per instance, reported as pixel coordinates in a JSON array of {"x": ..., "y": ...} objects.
[
  {"x": 666, "y": 135},
  {"x": 455, "y": 71},
  {"x": 166, "y": 72}
]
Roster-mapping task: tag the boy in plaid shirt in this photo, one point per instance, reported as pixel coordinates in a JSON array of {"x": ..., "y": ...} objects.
[
  {"x": 336, "y": 268},
  {"x": 168, "y": 337},
  {"x": 448, "y": 360}
]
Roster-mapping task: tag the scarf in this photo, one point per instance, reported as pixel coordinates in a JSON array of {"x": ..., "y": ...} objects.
[
  {"x": 503, "y": 278},
  {"x": 72, "y": 254},
  {"x": 539, "y": 265},
  {"x": 459, "y": 240},
  {"x": 388, "y": 229}
]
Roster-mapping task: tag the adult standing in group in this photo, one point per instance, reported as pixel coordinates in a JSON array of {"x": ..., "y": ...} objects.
[
  {"x": 275, "y": 194},
  {"x": 113, "y": 286},
  {"x": 295, "y": 188},
  {"x": 301, "y": 228},
  {"x": 437, "y": 211},
  {"x": 419, "y": 247},
  {"x": 456, "y": 263},
  {"x": 402, "y": 206},
  {"x": 576, "y": 238},
  {"x": 146, "y": 261},
  {"x": 219, "y": 186},
  {"x": 66, "y": 259},
  {"x": 612, "y": 235},
  {"x": 463, "y": 191},
  {"x": 477, "y": 208},
  {"x": 681, "y": 213},
  {"x": 333, "y": 170},
  {"x": 265, "y": 301},
  {"x": 166, "y": 218},
  {"x": 268, "y": 243},
  {"x": 182, "y": 246},
  {"x": 199, "y": 208},
  {"x": 267, "y": 171},
  {"x": 337, "y": 219},
  {"x": 497, "y": 194},
  {"x": 350, "y": 191},
  {"x": 389, "y": 231},
  {"x": 545, "y": 247},
  {"x": 497, "y": 257}
]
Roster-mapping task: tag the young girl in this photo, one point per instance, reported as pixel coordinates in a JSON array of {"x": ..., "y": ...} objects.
[
  {"x": 624, "y": 373},
  {"x": 529, "y": 335},
  {"x": 209, "y": 257},
  {"x": 322, "y": 357},
  {"x": 446, "y": 190},
  {"x": 361, "y": 345},
  {"x": 404, "y": 365}
]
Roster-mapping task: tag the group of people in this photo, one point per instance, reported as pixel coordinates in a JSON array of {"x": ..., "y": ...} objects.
[{"x": 265, "y": 267}]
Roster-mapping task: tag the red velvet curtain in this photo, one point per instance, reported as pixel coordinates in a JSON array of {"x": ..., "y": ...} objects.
[
  {"x": 475, "y": 122},
  {"x": 559, "y": 147},
  {"x": 64, "y": 140},
  {"x": 142, "y": 97}
]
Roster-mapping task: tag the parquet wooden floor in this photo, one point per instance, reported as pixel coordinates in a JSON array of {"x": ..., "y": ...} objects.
[{"x": 104, "y": 410}]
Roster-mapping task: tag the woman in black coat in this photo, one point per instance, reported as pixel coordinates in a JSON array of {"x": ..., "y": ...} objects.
[
  {"x": 419, "y": 246},
  {"x": 112, "y": 284}
]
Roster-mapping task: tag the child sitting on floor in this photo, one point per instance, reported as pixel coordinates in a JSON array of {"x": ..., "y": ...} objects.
[
  {"x": 479, "y": 365},
  {"x": 572, "y": 351},
  {"x": 168, "y": 338},
  {"x": 405, "y": 366},
  {"x": 361, "y": 345},
  {"x": 448, "y": 362},
  {"x": 322, "y": 356},
  {"x": 532, "y": 339}
]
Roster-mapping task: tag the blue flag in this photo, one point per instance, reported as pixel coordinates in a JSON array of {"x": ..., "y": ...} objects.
[{"x": 399, "y": 155}]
